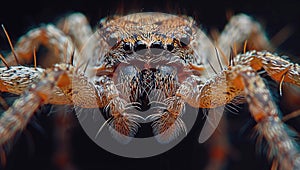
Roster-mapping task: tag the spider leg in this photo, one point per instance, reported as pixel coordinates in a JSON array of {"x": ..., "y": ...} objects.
[
  {"x": 282, "y": 147},
  {"x": 277, "y": 68},
  {"x": 60, "y": 46},
  {"x": 77, "y": 27},
  {"x": 58, "y": 39},
  {"x": 17, "y": 116},
  {"x": 241, "y": 78},
  {"x": 17, "y": 79},
  {"x": 243, "y": 28},
  {"x": 60, "y": 85}
]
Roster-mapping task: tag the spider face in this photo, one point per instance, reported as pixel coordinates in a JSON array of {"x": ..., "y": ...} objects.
[
  {"x": 147, "y": 62},
  {"x": 162, "y": 39}
]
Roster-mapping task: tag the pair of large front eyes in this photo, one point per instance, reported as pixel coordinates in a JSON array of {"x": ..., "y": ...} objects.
[
  {"x": 156, "y": 47},
  {"x": 140, "y": 47}
]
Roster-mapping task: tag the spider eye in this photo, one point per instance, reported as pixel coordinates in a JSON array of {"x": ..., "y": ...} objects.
[
  {"x": 156, "y": 47},
  {"x": 188, "y": 30},
  {"x": 170, "y": 47},
  {"x": 140, "y": 47},
  {"x": 127, "y": 46},
  {"x": 184, "y": 40},
  {"x": 112, "y": 40}
]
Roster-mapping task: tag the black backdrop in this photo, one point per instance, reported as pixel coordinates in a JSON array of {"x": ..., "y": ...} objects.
[{"x": 34, "y": 149}]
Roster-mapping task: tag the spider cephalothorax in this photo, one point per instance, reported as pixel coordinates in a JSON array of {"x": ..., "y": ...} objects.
[{"x": 148, "y": 62}]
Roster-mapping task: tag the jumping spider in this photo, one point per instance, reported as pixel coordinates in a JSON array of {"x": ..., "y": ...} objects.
[{"x": 135, "y": 61}]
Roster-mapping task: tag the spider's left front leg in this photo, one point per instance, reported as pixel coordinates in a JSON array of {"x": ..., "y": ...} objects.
[{"x": 282, "y": 147}]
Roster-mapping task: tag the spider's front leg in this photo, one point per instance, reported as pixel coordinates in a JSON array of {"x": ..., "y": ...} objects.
[
  {"x": 63, "y": 82},
  {"x": 60, "y": 48},
  {"x": 238, "y": 79},
  {"x": 17, "y": 79},
  {"x": 17, "y": 116}
]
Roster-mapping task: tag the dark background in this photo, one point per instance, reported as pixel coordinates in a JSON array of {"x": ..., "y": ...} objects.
[{"x": 35, "y": 148}]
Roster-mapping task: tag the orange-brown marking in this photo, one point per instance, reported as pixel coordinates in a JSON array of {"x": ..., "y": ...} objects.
[
  {"x": 259, "y": 116},
  {"x": 256, "y": 64},
  {"x": 63, "y": 80},
  {"x": 197, "y": 68},
  {"x": 2, "y": 157},
  {"x": 238, "y": 83},
  {"x": 44, "y": 97},
  {"x": 3, "y": 88},
  {"x": 279, "y": 75}
]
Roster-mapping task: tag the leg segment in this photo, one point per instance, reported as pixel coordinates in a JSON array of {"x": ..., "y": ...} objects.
[
  {"x": 61, "y": 47},
  {"x": 77, "y": 27},
  {"x": 277, "y": 68},
  {"x": 17, "y": 79},
  {"x": 55, "y": 85},
  {"x": 17, "y": 116},
  {"x": 239, "y": 29},
  {"x": 244, "y": 79},
  {"x": 74, "y": 28},
  {"x": 282, "y": 147},
  {"x": 63, "y": 85}
]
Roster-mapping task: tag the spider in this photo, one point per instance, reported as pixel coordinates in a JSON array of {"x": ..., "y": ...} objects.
[{"x": 149, "y": 62}]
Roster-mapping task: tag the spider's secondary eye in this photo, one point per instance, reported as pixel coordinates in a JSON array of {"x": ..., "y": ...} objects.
[
  {"x": 140, "y": 47},
  {"x": 184, "y": 40},
  {"x": 112, "y": 40},
  {"x": 156, "y": 47},
  {"x": 188, "y": 30},
  {"x": 170, "y": 47},
  {"x": 127, "y": 46}
]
